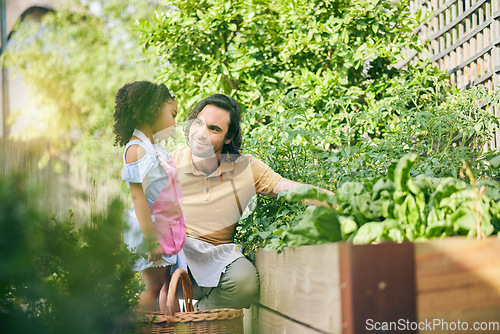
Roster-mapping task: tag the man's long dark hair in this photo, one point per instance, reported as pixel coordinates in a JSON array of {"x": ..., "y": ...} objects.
[{"x": 232, "y": 150}]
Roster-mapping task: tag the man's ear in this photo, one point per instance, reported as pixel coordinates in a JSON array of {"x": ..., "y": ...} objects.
[{"x": 227, "y": 141}]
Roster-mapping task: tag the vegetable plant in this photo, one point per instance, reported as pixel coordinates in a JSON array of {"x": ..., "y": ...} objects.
[{"x": 397, "y": 207}]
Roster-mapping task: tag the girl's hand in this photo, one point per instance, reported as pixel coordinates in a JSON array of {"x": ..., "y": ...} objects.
[{"x": 155, "y": 254}]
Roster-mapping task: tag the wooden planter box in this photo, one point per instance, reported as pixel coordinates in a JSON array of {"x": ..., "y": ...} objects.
[{"x": 429, "y": 287}]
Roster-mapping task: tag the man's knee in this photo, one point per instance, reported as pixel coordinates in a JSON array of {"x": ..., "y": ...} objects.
[{"x": 242, "y": 280}]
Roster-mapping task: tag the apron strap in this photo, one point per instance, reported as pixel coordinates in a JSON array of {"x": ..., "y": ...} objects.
[
  {"x": 139, "y": 134},
  {"x": 236, "y": 197}
]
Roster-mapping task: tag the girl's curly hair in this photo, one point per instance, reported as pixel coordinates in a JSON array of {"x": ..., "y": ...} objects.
[{"x": 136, "y": 104}]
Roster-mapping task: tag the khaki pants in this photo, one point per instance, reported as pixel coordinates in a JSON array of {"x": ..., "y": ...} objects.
[{"x": 238, "y": 288}]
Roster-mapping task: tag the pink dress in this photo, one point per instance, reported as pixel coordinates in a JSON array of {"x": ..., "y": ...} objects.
[{"x": 158, "y": 174}]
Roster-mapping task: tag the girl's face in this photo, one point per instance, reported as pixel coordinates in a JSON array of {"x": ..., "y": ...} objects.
[{"x": 165, "y": 124}]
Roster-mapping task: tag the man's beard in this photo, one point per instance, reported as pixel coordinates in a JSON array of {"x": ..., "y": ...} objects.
[{"x": 205, "y": 151}]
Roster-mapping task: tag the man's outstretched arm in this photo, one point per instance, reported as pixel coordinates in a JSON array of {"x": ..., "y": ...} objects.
[{"x": 286, "y": 184}]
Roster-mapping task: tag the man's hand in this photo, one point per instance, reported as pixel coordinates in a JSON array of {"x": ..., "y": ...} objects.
[{"x": 286, "y": 184}]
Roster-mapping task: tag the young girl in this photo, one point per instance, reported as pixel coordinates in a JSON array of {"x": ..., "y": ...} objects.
[{"x": 156, "y": 221}]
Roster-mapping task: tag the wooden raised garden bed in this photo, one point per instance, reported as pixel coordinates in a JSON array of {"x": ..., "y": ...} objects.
[{"x": 345, "y": 288}]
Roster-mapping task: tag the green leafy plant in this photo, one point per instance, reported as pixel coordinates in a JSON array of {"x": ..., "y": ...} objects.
[
  {"x": 56, "y": 279},
  {"x": 423, "y": 115},
  {"x": 397, "y": 208},
  {"x": 439, "y": 123},
  {"x": 290, "y": 148}
]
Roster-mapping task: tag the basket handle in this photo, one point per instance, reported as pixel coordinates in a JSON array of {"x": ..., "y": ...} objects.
[{"x": 187, "y": 290}]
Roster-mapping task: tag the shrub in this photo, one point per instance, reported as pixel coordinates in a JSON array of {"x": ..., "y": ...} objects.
[{"x": 56, "y": 279}]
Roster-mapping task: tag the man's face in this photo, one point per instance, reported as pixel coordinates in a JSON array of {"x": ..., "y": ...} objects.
[{"x": 207, "y": 134}]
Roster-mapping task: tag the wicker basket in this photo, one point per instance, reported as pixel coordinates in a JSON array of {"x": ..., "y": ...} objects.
[{"x": 211, "y": 321}]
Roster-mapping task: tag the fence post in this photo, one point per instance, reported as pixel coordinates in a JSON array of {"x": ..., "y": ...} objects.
[
  {"x": 495, "y": 33},
  {"x": 5, "y": 79}
]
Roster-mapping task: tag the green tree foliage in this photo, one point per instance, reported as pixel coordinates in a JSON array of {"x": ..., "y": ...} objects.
[
  {"x": 74, "y": 61},
  {"x": 251, "y": 49},
  {"x": 56, "y": 279}
]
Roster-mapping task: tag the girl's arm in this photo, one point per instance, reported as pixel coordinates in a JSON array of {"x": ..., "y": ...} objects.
[
  {"x": 143, "y": 214},
  {"x": 155, "y": 252}
]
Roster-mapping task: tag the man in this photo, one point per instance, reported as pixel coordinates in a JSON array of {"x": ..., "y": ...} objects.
[{"x": 218, "y": 183}]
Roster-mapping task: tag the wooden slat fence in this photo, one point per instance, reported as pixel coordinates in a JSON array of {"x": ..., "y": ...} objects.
[
  {"x": 464, "y": 40},
  {"x": 60, "y": 190}
]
